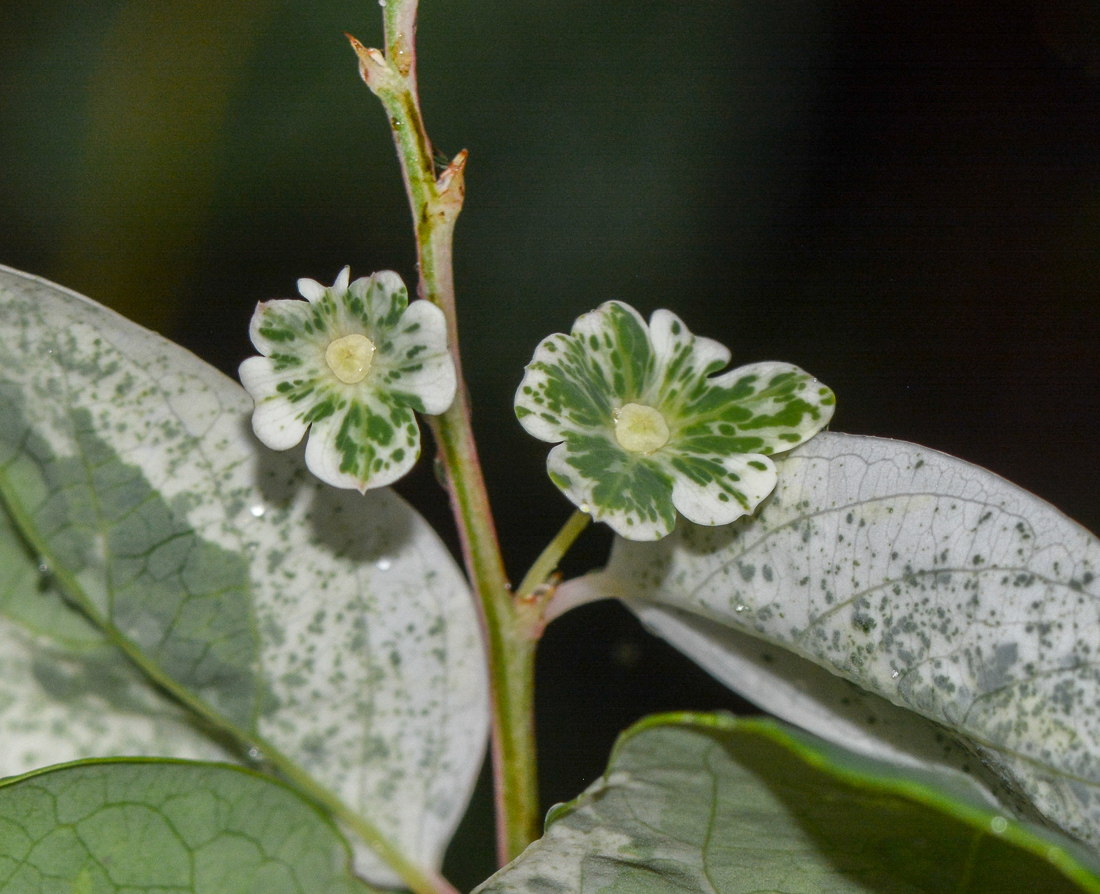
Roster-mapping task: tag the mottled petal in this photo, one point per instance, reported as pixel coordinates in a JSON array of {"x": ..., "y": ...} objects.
[
  {"x": 631, "y": 494},
  {"x": 683, "y": 360},
  {"x": 367, "y": 444},
  {"x": 720, "y": 489},
  {"x": 276, "y": 421},
  {"x": 418, "y": 367},
  {"x": 279, "y": 329},
  {"x": 384, "y": 298},
  {"x": 760, "y": 408},
  {"x": 614, "y": 339},
  {"x": 558, "y": 394},
  {"x": 575, "y": 382}
]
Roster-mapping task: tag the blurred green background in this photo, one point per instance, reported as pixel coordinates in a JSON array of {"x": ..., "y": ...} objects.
[{"x": 903, "y": 198}]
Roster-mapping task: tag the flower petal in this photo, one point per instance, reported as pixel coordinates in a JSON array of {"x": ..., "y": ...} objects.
[
  {"x": 575, "y": 382},
  {"x": 276, "y": 421},
  {"x": 283, "y": 328},
  {"x": 615, "y": 341},
  {"x": 684, "y": 360},
  {"x": 760, "y": 408},
  {"x": 632, "y": 494},
  {"x": 720, "y": 489},
  {"x": 556, "y": 395},
  {"x": 416, "y": 366},
  {"x": 369, "y": 443},
  {"x": 379, "y": 300}
]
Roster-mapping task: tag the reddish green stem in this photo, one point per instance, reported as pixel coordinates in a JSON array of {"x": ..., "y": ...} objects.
[{"x": 510, "y": 626}]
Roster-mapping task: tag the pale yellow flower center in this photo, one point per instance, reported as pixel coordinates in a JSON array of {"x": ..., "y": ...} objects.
[
  {"x": 640, "y": 429},
  {"x": 350, "y": 358}
]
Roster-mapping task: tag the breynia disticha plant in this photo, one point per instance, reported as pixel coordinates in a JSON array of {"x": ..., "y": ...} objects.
[{"x": 229, "y": 663}]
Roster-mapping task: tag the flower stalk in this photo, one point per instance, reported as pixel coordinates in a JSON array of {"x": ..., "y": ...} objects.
[
  {"x": 510, "y": 626},
  {"x": 548, "y": 560}
]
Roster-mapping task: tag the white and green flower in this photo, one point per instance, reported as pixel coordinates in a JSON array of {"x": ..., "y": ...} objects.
[
  {"x": 351, "y": 363},
  {"x": 647, "y": 429}
]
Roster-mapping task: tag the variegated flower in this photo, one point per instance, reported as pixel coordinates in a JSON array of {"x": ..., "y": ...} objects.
[
  {"x": 646, "y": 427},
  {"x": 351, "y": 363}
]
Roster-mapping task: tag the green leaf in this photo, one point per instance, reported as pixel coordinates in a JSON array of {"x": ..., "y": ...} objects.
[
  {"x": 925, "y": 580},
  {"x": 324, "y": 629},
  {"x": 709, "y": 803},
  {"x": 166, "y": 826}
]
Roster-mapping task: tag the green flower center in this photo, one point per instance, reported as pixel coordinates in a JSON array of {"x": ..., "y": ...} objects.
[
  {"x": 350, "y": 358},
  {"x": 640, "y": 429}
]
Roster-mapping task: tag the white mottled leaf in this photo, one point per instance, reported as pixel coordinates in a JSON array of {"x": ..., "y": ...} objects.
[
  {"x": 712, "y": 804},
  {"x": 331, "y": 626},
  {"x": 801, "y": 692},
  {"x": 924, "y": 579}
]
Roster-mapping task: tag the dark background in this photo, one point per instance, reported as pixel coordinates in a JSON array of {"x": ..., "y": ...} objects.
[{"x": 902, "y": 198}]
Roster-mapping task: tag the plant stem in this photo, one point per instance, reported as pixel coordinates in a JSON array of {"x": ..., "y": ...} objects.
[
  {"x": 548, "y": 561},
  {"x": 510, "y": 628}
]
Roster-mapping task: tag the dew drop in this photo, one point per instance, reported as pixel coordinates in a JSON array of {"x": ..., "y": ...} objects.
[
  {"x": 739, "y": 608},
  {"x": 257, "y": 511},
  {"x": 585, "y": 508},
  {"x": 43, "y": 567},
  {"x": 895, "y": 674},
  {"x": 998, "y": 824},
  {"x": 255, "y": 754},
  {"x": 383, "y": 564}
]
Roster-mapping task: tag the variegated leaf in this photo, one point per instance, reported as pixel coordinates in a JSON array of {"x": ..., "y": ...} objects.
[
  {"x": 330, "y": 627},
  {"x": 926, "y": 580}
]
